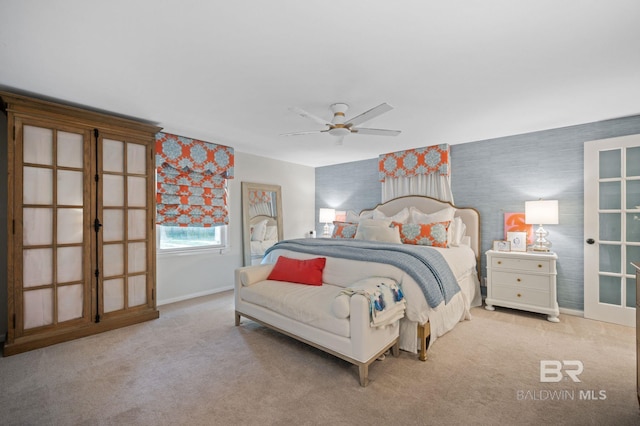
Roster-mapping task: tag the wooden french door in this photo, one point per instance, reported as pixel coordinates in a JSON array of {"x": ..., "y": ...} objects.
[{"x": 611, "y": 228}]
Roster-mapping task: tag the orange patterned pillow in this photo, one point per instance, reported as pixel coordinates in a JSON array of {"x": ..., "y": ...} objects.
[
  {"x": 344, "y": 229},
  {"x": 424, "y": 234}
]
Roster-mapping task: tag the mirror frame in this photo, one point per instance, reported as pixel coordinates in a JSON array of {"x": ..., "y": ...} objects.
[{"x": 246, "y": 220}]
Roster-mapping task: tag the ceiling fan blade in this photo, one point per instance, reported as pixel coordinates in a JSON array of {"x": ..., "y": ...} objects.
[
  {"x": 378, "y": 132},
  {"x": 305, "y": 114},
  {"x": 309, "y": 132},
  {"x": 368, "y": 115}
]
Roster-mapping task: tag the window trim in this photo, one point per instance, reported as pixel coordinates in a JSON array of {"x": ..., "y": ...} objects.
[{"x": 204, "y": 249}]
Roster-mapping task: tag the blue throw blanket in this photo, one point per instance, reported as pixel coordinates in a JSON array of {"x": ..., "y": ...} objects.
[{"x": 424, "y": 264}]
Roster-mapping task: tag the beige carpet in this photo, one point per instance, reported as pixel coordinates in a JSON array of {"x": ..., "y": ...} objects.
[{"x": 194, "y": 367}]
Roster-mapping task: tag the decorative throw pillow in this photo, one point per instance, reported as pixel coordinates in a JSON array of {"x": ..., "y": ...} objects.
[
  {"x": 377, "y": 230},
  {"x": 424, "y": 234},
  {"x": 401, "y": 217},
  {"x": 271, "y": 233},
  {"x": 344, "y": 230},
  {"x": 299, "y": 271},
  {"x": 259, "y": 230}
]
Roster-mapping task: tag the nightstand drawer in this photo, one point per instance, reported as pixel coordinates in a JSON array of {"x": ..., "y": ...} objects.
[
  {"x": 521, "y": 264},
  {"x": 521, "y": 295},
  {"x": 521, "y": 280}
]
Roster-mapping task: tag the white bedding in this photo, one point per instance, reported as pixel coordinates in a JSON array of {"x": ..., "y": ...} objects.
[{"x": 443, "y": 318}]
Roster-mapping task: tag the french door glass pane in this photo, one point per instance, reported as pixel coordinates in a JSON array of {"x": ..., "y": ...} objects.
[
  {"x": 113, "y": 224},
  {"x": 69, "y": 264},
  {"x": 137, "y": 221},
  {"x": 37, "y": 226},
  {"x": 137, "y": 257},
  {"x": 633, "y": 194},
  {"x": 610, "y": 163},
  {"x": 113, "y": 256},
  {"x": 37, "y": 267},
  {"x": 610, "y": 227},
  {"x": 610, "y": 258},
  {"x": 70, "y": 188},
  {"x": 38, "y": 145},
  {"x": 37, "y": 185},
  {"x": 113, "y": 156},
  {"x": 70, "y": 301},
  {"x": 631, "y": 293},
  {"x": 136, "y": 191},
  {"x": 136, "y": 158},
  {"x": 633, "y": 162},
  {"x": 610, "y": 290},
  {"x": 70, "y": 226},
  {"x": 633, "y": 227},
  {"x": 113, "y": 190},
  {"x": 633, "y": 255},
  {"x": 610, "y": 195},
  {"x": 113, "y": 294},
  {"x": 38, "y": 308},
  {"x": 70, "y": 151},
  {"x": 137, "y": 290}
]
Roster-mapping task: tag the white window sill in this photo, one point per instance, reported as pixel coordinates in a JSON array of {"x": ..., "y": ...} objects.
[{"x": 192, "y": 251}]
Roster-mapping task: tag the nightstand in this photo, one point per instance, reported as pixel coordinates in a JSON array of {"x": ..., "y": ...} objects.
[{"x": 523, "y": 280}]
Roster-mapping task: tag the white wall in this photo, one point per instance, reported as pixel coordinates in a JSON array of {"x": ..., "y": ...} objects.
[{"x": 181, "y": 277}]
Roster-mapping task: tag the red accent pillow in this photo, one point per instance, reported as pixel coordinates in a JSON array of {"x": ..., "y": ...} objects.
[{"x": 298, "y": 271}]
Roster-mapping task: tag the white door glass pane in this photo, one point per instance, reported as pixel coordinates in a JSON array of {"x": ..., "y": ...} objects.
[
  {"x": 137, "y": 191},
  {"x": 37, "y": 267},
  {"x": 633, "y": 194},
  {"x": 137, "y": 257},
  {"x": 633, "y": 161},
  {"x": 37, "y": 186},
  {"x": 610, "y": 164},
  {"x": 38, "y": 145},
  {"x": 113, "y": 295},
  {"x": 113, "y": 225},
  {"x": 113, "y": 258},
  {"x": 70, "y": 188},
  {"x": 70, "y": 150},
  {"x": 38, "y": 308},
  {"x": 631, "y": 292},
  {"x": 137, "y": 222},
  {"x": 633, "y": 255},
  {"x": 70, "y": 301},
  {"x": 37, "y": 226},
  {"x": 610, "y": 195},
  {"x": 137, "y": 290},
  {"x": 112, "y": 156},
  {"x": 112, "y": 190},
  {"x": 70, "y": 226},
  {"x": 633, "y": 227},
  {"x": 610, "y": 226},
  {"x": 69, "y": 264},
  {"x": 610, "y": 258},
  {"x": 610, "y": 290},
  {"x": 136, "y": 158}
]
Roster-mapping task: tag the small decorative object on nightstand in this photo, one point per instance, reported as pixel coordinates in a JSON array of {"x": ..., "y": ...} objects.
[{"x": 523, "y": 280}]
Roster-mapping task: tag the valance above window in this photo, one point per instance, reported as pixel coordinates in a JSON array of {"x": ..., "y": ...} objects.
[
  {"x": 192, "y": 181},
  {"x": 414, "y": 162}
]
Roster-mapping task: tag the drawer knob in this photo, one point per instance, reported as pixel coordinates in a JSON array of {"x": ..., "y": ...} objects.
[
  {"x": 499, "y": 262},
  {"x": 518, "y": 279},
  {"x": 519, "y": 295},
  {"x": 539, "y": 266}
]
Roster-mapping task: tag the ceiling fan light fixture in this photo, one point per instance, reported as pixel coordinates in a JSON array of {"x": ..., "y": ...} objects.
[{"x": 339, "y": 131}]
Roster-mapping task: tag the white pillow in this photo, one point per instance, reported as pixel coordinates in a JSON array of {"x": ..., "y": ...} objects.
[
  {"x": 458, "y": 230},
  {"x": 378, "y": 230},
  {"x": 444, "y": 215},
  {"x": 401, "y": 217},
  {"x": 259, "y": 231},
  {"x": 352, "y": 217},
  {"x": 271, "y": 233}
]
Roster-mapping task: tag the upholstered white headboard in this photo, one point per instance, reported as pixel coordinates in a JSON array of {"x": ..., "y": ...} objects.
[{"x": 469, "y": 215}]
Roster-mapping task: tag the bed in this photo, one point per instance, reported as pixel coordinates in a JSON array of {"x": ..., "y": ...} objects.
[{"x": 422, "y": 323}]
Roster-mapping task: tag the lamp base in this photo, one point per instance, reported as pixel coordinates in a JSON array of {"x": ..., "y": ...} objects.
[
  {"x": 325, "y": 231},
  {"x": 541, "y": 244}
]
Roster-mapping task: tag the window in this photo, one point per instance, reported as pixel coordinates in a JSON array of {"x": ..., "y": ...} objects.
[{"x": 176, "y": 238}]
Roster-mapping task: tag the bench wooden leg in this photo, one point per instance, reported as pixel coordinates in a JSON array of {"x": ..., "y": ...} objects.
[
  {"x": 395, "y": 349},
  {"x": 424, "y": 335},
  {"x": 237, "y": 318},
  {"x": 363, "y": 370}
]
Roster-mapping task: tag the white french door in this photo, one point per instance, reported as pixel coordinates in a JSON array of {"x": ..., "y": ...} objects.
[{"x": 611, "y": 228}]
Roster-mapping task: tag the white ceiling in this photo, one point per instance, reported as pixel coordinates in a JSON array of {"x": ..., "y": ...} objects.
[{"x": 227, "y": 71}]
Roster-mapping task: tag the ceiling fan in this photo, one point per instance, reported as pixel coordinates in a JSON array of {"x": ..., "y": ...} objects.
[{"x": 339, "y": 127}]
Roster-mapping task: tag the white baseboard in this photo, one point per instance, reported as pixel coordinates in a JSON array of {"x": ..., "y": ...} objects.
[
  {"x": 193, "y": 295},
  {"x": 573, "y": 312}
]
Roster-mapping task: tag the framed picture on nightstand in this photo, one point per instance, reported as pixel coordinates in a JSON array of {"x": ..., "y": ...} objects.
[
  {"x": 518, "y": 241},
  {"x": 501, "y": 245}
]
